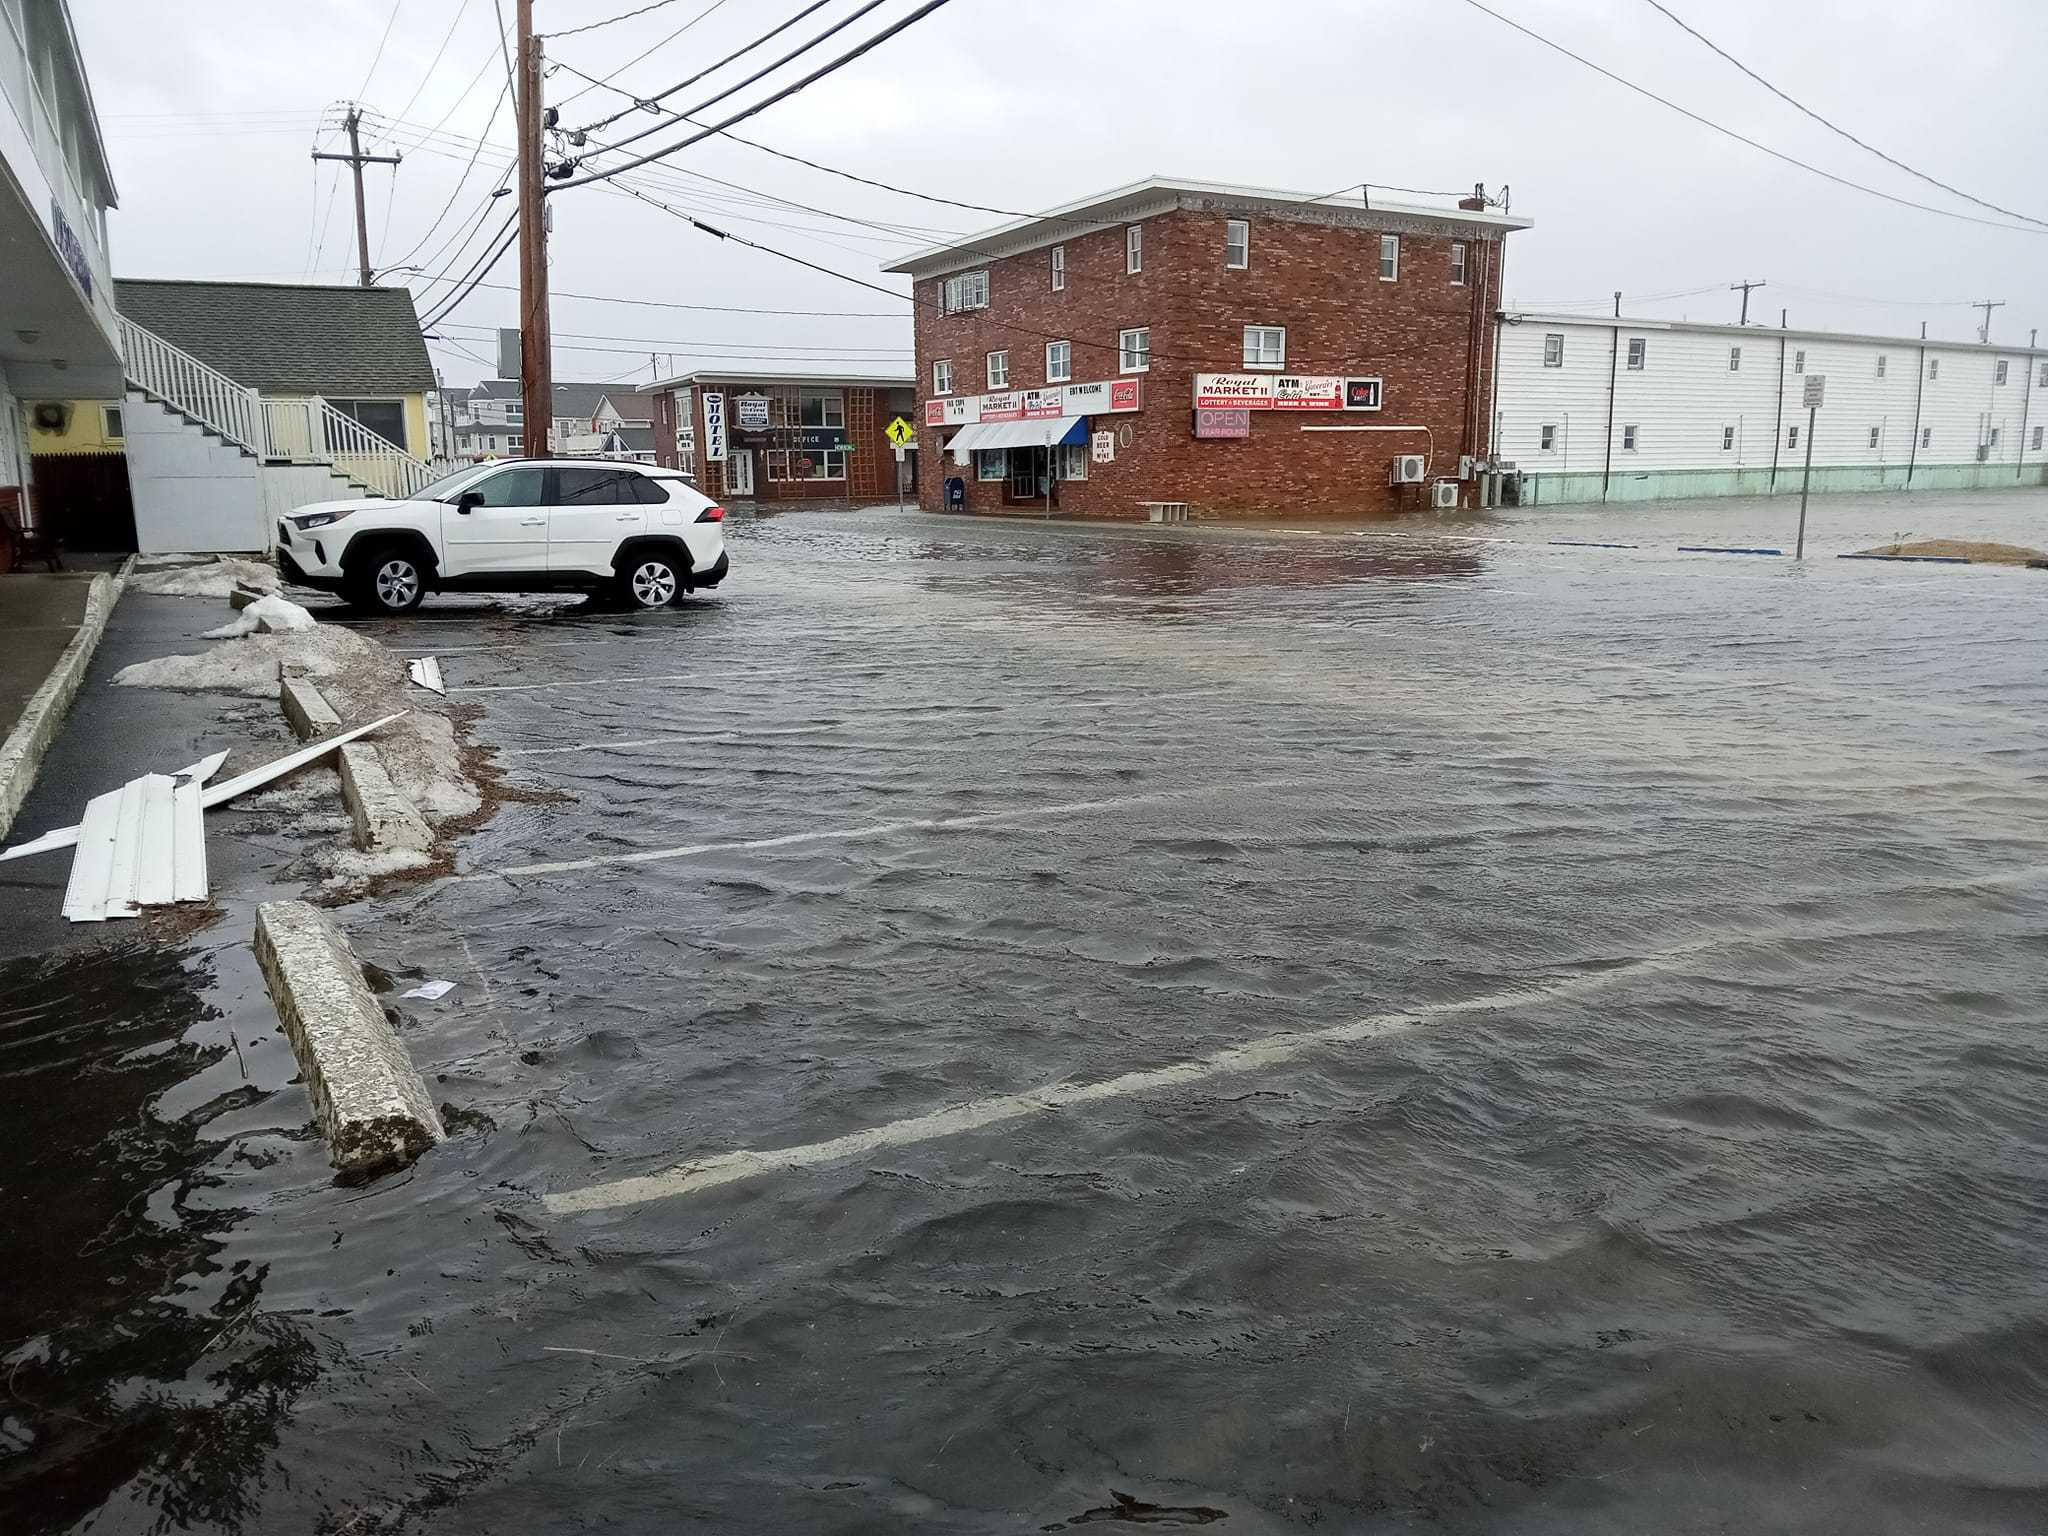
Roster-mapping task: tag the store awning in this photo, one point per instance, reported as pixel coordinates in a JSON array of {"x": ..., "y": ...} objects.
[{"x": 983, "y": 435}]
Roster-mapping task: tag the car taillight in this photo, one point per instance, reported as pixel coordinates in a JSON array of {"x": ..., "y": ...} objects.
[{"x": 711, "y": 515}]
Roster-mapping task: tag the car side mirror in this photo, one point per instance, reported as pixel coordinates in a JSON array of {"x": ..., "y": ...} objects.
[{"x": 467, "y": 500}]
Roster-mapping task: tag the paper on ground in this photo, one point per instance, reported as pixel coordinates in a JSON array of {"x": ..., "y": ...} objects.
[
  {"x": 432, "y": 991},
  {"x": 426, "y": 671}
]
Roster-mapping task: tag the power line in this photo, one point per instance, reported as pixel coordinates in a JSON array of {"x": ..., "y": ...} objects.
[
  {"x": 1740, "y": 138},
  {"x": 378, "y": 57},
  {"x": 724, "y": 309},
  {"x": 761, "y": 106},
  {"x": 592, "y": 26},
  {"x": 681, "y": 343},
  {"x": 488, "y": 263},
  {"x": 1836, "y": 128},
  {"x": 446, "y": 38},
  {"x": 606, "y": 82}
]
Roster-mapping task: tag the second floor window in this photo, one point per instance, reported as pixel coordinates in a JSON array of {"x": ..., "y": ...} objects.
[
  {"x": 1059, "y": 361},
  {"x": 1134, "y": 350},
  {"x": 1638, "y": 348},
  {"x": 1458, "y": 262},
  {"x": 999, "y": 370},
  {"x": 967, "y": 291},
  {"x": 1547, "y": 437},
  {"x": 1237, "y": 244},
  {"x": 1727, "y": 438},
  {"x": 1628, "y": 438},
  {"x": 942, "y": 377},
  {"x": 1880, "y": 364},
  {"x": 1134, "y": 248},
  {"x": 1735, "y": 359},
  {"x": 1265, "y": 346},
  {"x": 1390, "y": 257},
  {"x": 1553, "y": 350},
  {"x": 1059, "y": 268},
  {"x": 1933, "y": 367},
  {"x": 1799, "y": 362},
  {"x": 1998, "y": 371}
]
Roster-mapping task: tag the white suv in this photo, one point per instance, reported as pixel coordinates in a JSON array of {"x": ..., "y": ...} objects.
[{"x": 530, "y": 525}]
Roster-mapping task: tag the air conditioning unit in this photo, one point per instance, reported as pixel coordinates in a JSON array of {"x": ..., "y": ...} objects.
[
  {"x": 1410, "y": 469},
  {"x": 1444, "y": 494}
]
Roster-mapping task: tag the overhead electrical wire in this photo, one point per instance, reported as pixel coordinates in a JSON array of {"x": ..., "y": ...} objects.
[
  {"x": 606, "y": 82},
  {"x": 481, "y": 268},
  {"x": 378, "y": 57},
  {"x": 1833, "y": 127},
  {"x": 434, "y": 63},
  {"x": 678, "y": 344},
  {"x": 1740, "y": 138},
  {"x": 655, "y": 5},
  {"x": 723, "y": 309}
]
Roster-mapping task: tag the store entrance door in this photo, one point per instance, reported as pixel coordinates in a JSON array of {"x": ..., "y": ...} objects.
[
  {"x": 1028, "y": 468},
  {"x": 739, "y": 472}
]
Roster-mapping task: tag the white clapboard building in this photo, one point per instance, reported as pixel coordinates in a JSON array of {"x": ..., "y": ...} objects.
[{"x": 1621, "y": 410}]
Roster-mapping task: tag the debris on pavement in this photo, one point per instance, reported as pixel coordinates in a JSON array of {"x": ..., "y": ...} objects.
[
  {"x": 269, "y": 615},
  {"x": 426, "y": 672},
  {"x": 431, "y": 991}
]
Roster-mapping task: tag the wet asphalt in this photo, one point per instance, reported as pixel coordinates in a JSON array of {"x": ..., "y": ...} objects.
[{"x": 1682, "y": 1169}]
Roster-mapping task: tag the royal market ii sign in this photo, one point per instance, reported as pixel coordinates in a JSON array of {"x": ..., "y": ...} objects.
[
  {"x": 1102, "y": 397},
  {"x": 1285, "y": 392}
]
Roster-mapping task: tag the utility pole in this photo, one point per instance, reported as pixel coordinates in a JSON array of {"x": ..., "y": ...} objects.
[
  {"x": 1617, "y": 303},
  {"x": 1745, "y": 286},
  {"x": 357, "y": 160},
  {"x": 1987, "y": 305},
  {"x": 536, "y": 359}
]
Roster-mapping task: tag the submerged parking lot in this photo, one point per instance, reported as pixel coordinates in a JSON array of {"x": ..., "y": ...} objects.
[{"x": 992, "y": 1026}]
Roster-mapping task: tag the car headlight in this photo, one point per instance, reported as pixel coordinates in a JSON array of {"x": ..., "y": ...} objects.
[{"x": 318, "y": 519}]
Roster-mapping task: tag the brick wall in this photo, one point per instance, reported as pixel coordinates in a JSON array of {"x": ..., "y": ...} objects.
[
  {"x": 1429, "y": 339},
  {"x": 870, "y": 465}
]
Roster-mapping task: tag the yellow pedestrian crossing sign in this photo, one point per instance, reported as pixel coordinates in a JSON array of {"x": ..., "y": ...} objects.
[{"x": 900, "y": 431}]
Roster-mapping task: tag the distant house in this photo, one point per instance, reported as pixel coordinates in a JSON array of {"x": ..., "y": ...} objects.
[{"x": 589, "y": 420}]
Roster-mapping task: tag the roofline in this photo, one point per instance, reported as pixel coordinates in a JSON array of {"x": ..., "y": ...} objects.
[
  {"x": 1721, "y": 328},
  {"x": 973, "y": 245},
  {"x": 755, "y": 376},
  {"x": 213, "y": 282}
]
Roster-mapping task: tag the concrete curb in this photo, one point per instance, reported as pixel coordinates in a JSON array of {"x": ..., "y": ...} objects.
[
  {"x": 305, "y": 707},
  {"x": 384, "y": 819},
  {"x": 23, "y": 751},
  {"x": 368, "y": 1099}
]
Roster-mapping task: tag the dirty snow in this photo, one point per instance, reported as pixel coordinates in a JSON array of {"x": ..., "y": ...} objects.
[
  {"x": 249, "y": 665},
  {"x": 215, "y": 578},
  {"x": 272, "y": 615}
]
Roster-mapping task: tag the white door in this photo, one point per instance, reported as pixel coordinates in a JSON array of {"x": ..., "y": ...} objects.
[
  {"x": 739, "y": 473},
  {"x": 593, "y": 509},
  {"x": 508, "y": 531}
]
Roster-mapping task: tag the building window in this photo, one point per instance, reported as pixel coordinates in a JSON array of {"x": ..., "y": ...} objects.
[
  {"x": 942, "y": 377},
  {"x": 1994, "y": 437},
  {"x": 1880, "y": 364},
  {"x": 1059, "y": 361},
  {"x": 1628, "y": 437},
  {"x": 1458, "y": 263},
  {"x": 999, "y": 370},
  {"x": 991, "y": 464},
  {"x": 967, "y": 291},
  {"x": 1727, "y": 438},
  {"x": 1874, "y": 431},
  {"x": 386, "y": 418},
  {"x": 1553, "y": 350},
  {"x": 2044, "y": 375},
  {"x": 1134, "y": 350},
  {"x": 110, "y": 422},
  {"x": 1073, "y": 461},
  {"x": 1735, "y": 359},
  {"x": 1927, "y": 437},
  {"x": 1998, "y": 370},
  {"x": 825, "y": 408},
  {"x": 1638, "y": 347},
  {"x": 2037, "y": 437},
  {"x": 1134, "y": 248},
  {"x": 1799, "y": 362},
  {"x": 1791, "y": 437},
  {"x": 1546, "y": 437},
  {"x": 1390, "y": 257},
  {"x": 1265, "y": 346},
  {"x": 807, "y": 464},
  {"x": 515, "y": 412},
  {"x": 1934, "y": 368},
  {"x": 1237, "y": 244},
  {"x": 1059, "y": 268}
]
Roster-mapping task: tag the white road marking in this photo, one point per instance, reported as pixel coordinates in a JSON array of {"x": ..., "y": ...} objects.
[
  {"x": 658, "y": 741},
  {"x": 878, "y": 829},
  {"x": 1253, "y": 1055},
  {"x": 577, "y": 682}
]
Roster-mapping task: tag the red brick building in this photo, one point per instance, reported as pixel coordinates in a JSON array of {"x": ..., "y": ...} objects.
[
  {"x": 775, "y": 437},
  {"x": 1237, "y": 350}
]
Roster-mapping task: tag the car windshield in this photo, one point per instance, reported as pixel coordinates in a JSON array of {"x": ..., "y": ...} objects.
[{"x": 449, "y": 486}]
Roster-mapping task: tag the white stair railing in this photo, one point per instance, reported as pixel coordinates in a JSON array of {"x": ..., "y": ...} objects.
[
  {"x": 364, "y": 455},
  {"x": 201, "y": 392}
]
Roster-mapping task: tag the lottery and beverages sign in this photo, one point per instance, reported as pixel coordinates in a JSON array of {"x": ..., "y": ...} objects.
[{"x": 1285, "y": 392}]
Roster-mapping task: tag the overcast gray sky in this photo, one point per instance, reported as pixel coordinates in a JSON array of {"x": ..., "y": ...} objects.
[{"x": 210, "y": 111}]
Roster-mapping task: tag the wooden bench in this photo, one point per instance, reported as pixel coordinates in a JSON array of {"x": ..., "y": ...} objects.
[
  {"x": 25, "y": 544},
  {"x": 1165, "y": 511}
]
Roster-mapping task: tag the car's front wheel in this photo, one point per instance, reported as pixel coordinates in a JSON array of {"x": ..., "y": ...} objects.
[
  {"x": 650, "y": 581},
  {"x": 390, "y": 581}
]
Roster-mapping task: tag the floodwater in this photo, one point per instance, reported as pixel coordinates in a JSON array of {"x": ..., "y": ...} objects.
[{"x": 1515, "y": 1037}]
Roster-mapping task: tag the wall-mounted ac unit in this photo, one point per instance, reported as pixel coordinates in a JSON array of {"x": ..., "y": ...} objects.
[
  {"x": 1410, "y": 469},
  {"x": 1444, "y": 494}
]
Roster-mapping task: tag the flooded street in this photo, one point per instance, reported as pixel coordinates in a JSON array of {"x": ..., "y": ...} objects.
[{"x": 990, "y": 1026}]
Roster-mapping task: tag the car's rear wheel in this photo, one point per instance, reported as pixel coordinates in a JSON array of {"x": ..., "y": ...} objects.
[
  {"x": 390, "y": 581},
  {"x": 650, "y": 581}
]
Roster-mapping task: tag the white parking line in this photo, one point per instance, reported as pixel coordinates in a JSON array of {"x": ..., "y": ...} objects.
[
  {"x": 879, "y": 829},
  {"x": 1253, "y": 1055},
  {"x": 577, "y": 682},
  {"x": 659, "y": 741}
]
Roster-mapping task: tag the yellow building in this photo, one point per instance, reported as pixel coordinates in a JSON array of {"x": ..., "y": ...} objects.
[{"x": 74, "y": 426}]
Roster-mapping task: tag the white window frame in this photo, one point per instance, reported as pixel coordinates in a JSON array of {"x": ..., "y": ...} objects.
[
  {"x": 2000, "y": 371},
  {"x": 781, "y": 465},
  {"x": 1237, "y": 238},
  {"x": 1799, "y": 361},
  {"x": 991, "y": 459},
  {"x": 996, "y": 369},
  {"x": 1735, "y": 359},
  {"x": 1994, "y": 437},
  {"x": 113, "y": 424},
  {"x": 2044, "y": 375},
  {"x": 1933, "y": 369},
  {"x": 1254, "y": 358},
  {"x": 1792, "y": 436},
  {"x": 1059, "y": 269},
  {"x": 1066, "y": 363},
  {"x": 1553, "y": 349},
  {"x": 1142, "y": 351},
  {"x": 1459, "y": 257},
  {"x": 1134, "y": 248},
  {"x": 1727, "y": 439},
  {"x": 2037, "y": 437},
  {"x": 1882, "y": 358},
  {"x": 1546, "y": 437},
  {"x": 1638, "y": 353},
  {"x": 1927, "y": 437},
  {"x": 1876, "y": 433},
  {"x": 1628, "y": 437},
  {"x": 1074, "y": 461},
  {"x": 1390, "y": 258},
  {"x": 942, "y": 375},
  {"x": 961, "y": 292}
]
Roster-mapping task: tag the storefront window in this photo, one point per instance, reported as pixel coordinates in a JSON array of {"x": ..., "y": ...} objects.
[
  {"x": 1074, "y": 461},
  {"x": 991, "y": 464},
  {"x": 821, "y": 409},
  {"x": 820, "y": 464}
]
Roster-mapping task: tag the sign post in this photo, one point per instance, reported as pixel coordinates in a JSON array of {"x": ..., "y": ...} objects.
[
  {"x": 1816, "y": 395},
  {"x": 901, "y": 433}
]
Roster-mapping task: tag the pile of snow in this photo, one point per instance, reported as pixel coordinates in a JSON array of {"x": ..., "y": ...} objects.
[
  {"x": 249, "y": 665},
  {"x": 273, "y": 615},
  {"x": 214, "y": 578}
]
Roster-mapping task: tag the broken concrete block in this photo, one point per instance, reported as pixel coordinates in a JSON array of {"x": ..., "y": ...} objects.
[
  {"x": 384, "y": 819},
  {"x": 368, "y": 1099},
  {"x": 311, "y": 716}
]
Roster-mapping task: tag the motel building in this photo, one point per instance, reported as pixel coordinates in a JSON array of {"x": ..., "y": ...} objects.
[
  {"x": 1186, "y": 348},
  {"x": 783, "y": 437}
]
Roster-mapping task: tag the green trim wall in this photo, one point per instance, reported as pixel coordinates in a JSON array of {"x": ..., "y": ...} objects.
[{"x": 1684, "y": 484}]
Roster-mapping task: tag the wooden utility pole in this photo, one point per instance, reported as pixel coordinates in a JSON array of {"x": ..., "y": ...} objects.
[
  {"x": 1987, "y": 305},
  {"x": 357, "y": 160},
  {"x": 1745, "y": 286},
  {"x": 536, "y": 360}
]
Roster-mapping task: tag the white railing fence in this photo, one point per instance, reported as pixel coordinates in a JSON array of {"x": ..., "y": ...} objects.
[
  {"x": 179, "y": 379},
  {"x": 339, "y": 439}
]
